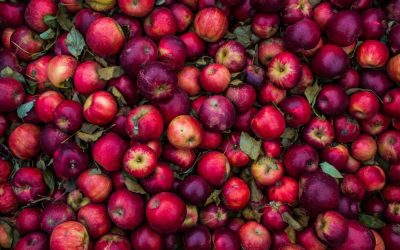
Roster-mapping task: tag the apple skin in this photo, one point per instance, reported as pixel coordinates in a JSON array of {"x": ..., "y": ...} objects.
[
  {"x": 195, "y": 45},
  {"x": 235, "y": 194},
  {"x": 126, "y": 209},
  {"x": 375, "y": 125},
  {"x": 183, "y": 15},
  {"x": 297, "y": 110},
  {"x": 296, "y": 10},
  {"x": 231, "y": 148},
  {"x": 272, "y": 216},
  {"x": 214, "y": 216},
  {"x": 214, "y": 167},
  {"x": 358, "y": 237},
  {"x": 104, "y": 37},
  {"x": 392, "y": 68},
  {"x": 352, "y": 187},
  {"x": 189, "y": 80},
  {"x": 299, "y": 159},
  {"x": 330, "y": 61},
  {"x": 132, "y": 24},
  {"x": 84, "y": 18},
  {"x": 232, "y": 55},
  {"x": 86, "y": 79},
  {"x": 25, "y": 43},
  {"x": 55, "y": 214},
  {"x": 60, "y": 69},
  {"x": 50, "y": 138},
  {"x": 28, "y": 184},
  {"x": 210, "y": 24},
  {"x": 95, "y": 218},
  {"x": 46, "y": 105},
  {"x": 242, "y": 97},
  {"x": 183, "y": 158},
  {"x": 144, "y": 123},
  {"x": 69, "y": 160},
  {"x": 286, "y": 190},
  {"x": 318, "y": 133},
  {"x": 28, "y": 220},
  {"x": 112, "y": 241},
  {"x": 389, "y": 145},
  {"x": 139, "y": 9},
  {"x": 341, "y": 36},
  {"x": 168, "y": 206},
  {"x": 332, "y": 100},
  {"x": 194, "y": 189},
  {"x": 390, "y": 236},
  {"x": 33, "y": 241},
  {"x": 284, "y": 70},
  {"x": 172, "y": 51},
  {"x": 225, "y": 239},
  {"x": 185, "y": 132},
  {"x": 331, "y": 227},
  {"x": 350, "y": 79},
  {"x": 394, "y": 43},
  {"x": 100, "y": 108},
  {"x": 23, "y": 141},
  {"x": 265, "y": 25},
  {"x": 159, "y": 23},
  {"x": 217, "y": 113},
  {"x": 61, "y": 48},
  {"x": 215, "y": 78},
  {"x": 267, "y": 171},
  {"x": 391, "y": 100},
  {"x": 146, "y": 238},
  {"x": 269, "y": 94},
  {"x": 12, "y": 94},
  {"x": 309, "y": 240},
  {"x": 178, "y": 105},
  {"x": 268, "y": 123},
  {"x": 35, "y": 12},
  {"x": 374, "y": 24},
  {"x": 8, "y": 199},
  {"x": 161, "y": 180},
  {"x": 267, "y": 6},
  {"x": 37, "y": 70},
  {"x": 295, "y": 35},
  {"x": 372, "y": 54},
  {"x": 269, "y": 48},
  {"x": 69, "y": 235},
  {"x": 139, "y": 161},
  {"x": 68, "y": 116},
  {"x": 94, "y": 185},
  {"x": 5, "y": 170},
  {"x": 12, "y": 14},
  {"x": 109, "y": 151},
  {"x": 254, "y": 236}
]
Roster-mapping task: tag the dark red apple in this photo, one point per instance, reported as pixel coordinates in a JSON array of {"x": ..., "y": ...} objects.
[
  {"x": 69, "y": 160},
  {"x": 33, "y": 241},
  {"x": 297, "y": 110},
  {"x": 55, "y": 214},
  {"x": 36, "y": 11},
  {"x": 268, "y": 123},
  {"x": 26, "y": 44},
  {"x": 302, "y": 35},
  {"x": 28, "y": 184},
  {"x": 12, "y": 94},
  {"x": 95, "y": 219},
  {"x": 299, "y": 159},
  {"x": 112, "y": 241},
  {"x": 344, "y": 28}
]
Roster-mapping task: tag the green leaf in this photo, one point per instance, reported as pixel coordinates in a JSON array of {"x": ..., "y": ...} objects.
[
  {"x": 89, "y": 137},
  {"x": 160, "y": 2},
  {"x": 236, "y": 82},
  {"x": 95, "y": 171},
  {"x": 48, "y": 34},
  {"x": 49, "y": 179},
  {"x": 243, "y": 35},
  {"x": 110, "y": 72},
  {"x": 330, "y": 170},
  {"x": 371, "y": 221},
  {"x": 133, "y": 186},
  {"x": 291, "y": 221},
  {"x": 119, "y": 97},
  {"x": 75, "y": 42},
  {"x": 213, "y": 198},
  {"x": 9, "y": 72},
  {"x": 255, "y": 193},
  {"x": 50, "y": 20},
  {"x": 63, "y": 19},
  {"x": 23, "y": 109},
  {"x": 41, "y": 164},
  {"x": 250, "y": 146},
  {"x": 302, "y": 216},
  {"x": 311, "y": 93},
  {"x": 289, "y": 137},
  {"x": 31, "y": 86},
  {"x": 203, "y": 61}
]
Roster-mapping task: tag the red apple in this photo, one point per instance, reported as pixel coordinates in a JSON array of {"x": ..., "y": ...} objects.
[
  {"x": 268, "y": 123},
  {"x": 69, "y": 235},
  {"x": 299, "y": 159},
  {"x": 139, "y": 161},
  {"x": 8, "y": 199},
  {"x": 25, "y": 43},
  {"x": 28, "y": 184},
  {"x": 269, "y": 48},
  {"x": 86, "y": 78},
  {"x": 185, "y": 132},
  {"x": 36, "y": 11},
  {"x": 172, "y": 51},
  {"x": 12, "y": 94},
  {"x": 144, "y": 123},
  {"x": 95, "y": 218},
  {"x": 297, "y": 110},
  {"x": 254, "y": 236},
  {"x": 389, "y": 145},
  {"x": 159, "y": 23},
  {"x": 364, "y": 148},
  {"x": 235, "y": 193},
  {"x": 24, "y": 141},
  {"x": 69, "y": 160},
  {"x": 112, "y": 241},
  {"x": 286, "y": 190},
  {"x": 330, "y": 61},
  {"x": 94, "y": 185},
  {"x": 68, "y": 116},
  {"x": 189, "y": 80},
  {"x": 139, "y": 9},
  {"x": 267, "y": 171},
  {"x": 372, "y": 54},
  {"x": 55, "y": 214},
  {"x": 392, "y": 68},
  {"x": 60, "y": 69},
  {"x": 210, "y": 24},
  {"x": 331, "y": 227},
  {"x": 215, "y": 78},
  {"x": 33, "y": 241},
  {"x": 146, "y": 238},
  {"x": 214, "y": 167},
  {"x": 284, "y": 70},
  {"x": 232, "y": 55},
  {"x": 347, "y": 129},
  {"x": 100, "y": 108},
  {"x": 265, "y": 25},
  {"x": 161, "y": 180}
]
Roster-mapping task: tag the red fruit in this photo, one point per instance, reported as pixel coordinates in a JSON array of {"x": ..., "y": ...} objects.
[
  {"x": 69, "y": 160},
  {"x": 25, "y": 44},
  {"x": 23, "y": 142},
  {"x": 132, "y": 24},
  {"x": 165, "y": 212},
  {"x": 296, "y": 10},
  {"x": 28, "y": 184},
  {"x": 195, "y": 190},
  {"x": 60, "y": 69},
  {"x": 319, "y": 192},
  {"x": 178, "y": 105},
  {"x": 86, "y": 78},
  {"x": 51, "y": 138},
  {"x": 215, "y": 78},
  {"x": 286, "y": 190},
  {"x": 33, "y": 241},
  {"x": 197, "y": 238},
  {"x": 372, "y": 54},
  {"x": 344, "y": 28},
  {"x": 232, "y": 151},
  {"x": 37, "y": 70},
  {"x": 347, "y": 129},
  {"x": 161, "y": 180},
  {"x": 308, "y": 239},
  {"x": 145, "y": 238},
  {"x": 267, "y": 171},
  {"x": 28, "y": 220},
  {"x": 140, "y": 161},
  {"x": 302, "y": 35},
  {"x": 94, "y": 185},
  {"x": 391, "y": 236},
  {"x": 225, "y": 239},
  {"x": 185, "y": 132},
  {"x": 55, "y": 214},
  {"x": 265, "y": 25},
  {"x": 189, "y": 80},
  {"x": 373, "y": 177},
  {"x": 139, "y": 9},
  {"x": 394, "y": 41},
  {"x": 254, "y": 236},
  {"x": 183, "y": 158},
  {"x": 332, "y": 100},
  {"x": 36, "y": 11},
  {"x": 172, "y": 51},
  {"x": 126, "y": 209},
  {"x": 284, "y": 70},
  {"x": 214, "y": 167},
  {"x": 364, "y": 148},
  {"x": 268, "y": 123},
  {"x": 391, "y": 102},
  {"x": 330, "y": 61},
  {"x": 299, "y": 159},
  {"x": 318, "y": 133},
  {"x": 144, "y": 123},
  {"x": 104, "y": 37},
  {"x": 183, "y": 15},
  {"x": 389, "y": 145},
  {"x": 235, "y": 193},
  {"x": 12, "y": 94},
  {"x": 12, "y": 14},
  {"x": 8, "y": 199},
  {"x": 210, "y": 24},
  {"x": 352, "y": 187},
  {"x": 194, "y": 44},
  {"x": 68, "y": 116},
  {"x": 100, "y": 108},
  {"x": 95, "y": 219},
  {"x": 217, "y": 113},
  {"x": 297, "y": 110},
  {"x": 350, "y": 79},
  {"x": 214, "y": 216},
  {"x": 331, "y": 227},
  {"x": 232, "y": 55},
  {"x": 270, "y": 48},
  {"x": 272, "y": 216},
  {"x": 375, "y": 125},
  {"x": 5, "y": 170},
  {"x": 272, "y": 149},
  {"x": 108, "y": 151},
  {"x": 112, "y": 241},
  {"x": 392, "y": 69},
  {"x": 47, "y": 103},
  {"x": 242, "y": 97},
  {"x": 69, "y": 235},
  {"x": 358, "y": 237},
  {"x": 159, "y": 23}
]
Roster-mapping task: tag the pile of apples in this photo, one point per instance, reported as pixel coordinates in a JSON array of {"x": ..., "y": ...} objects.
[{"x": 200, "y": 124}]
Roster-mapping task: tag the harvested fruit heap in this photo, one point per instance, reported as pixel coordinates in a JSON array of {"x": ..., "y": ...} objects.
[{"x": 200, "y": 124}]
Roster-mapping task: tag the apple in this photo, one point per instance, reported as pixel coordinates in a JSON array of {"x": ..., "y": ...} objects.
[
  {"x": 265, "y": 25},
  {"x": 172, "y": 51},
  {"x": 139, "y": 9},
  {"x": 185, "y": 132},
  {"x": 392, "y": 68},
  {"x": 36, "y": 11},
  {"x": 232, "y": 55},
  {"x": 102, "y": 5},
  {"x": 231, "y": 148},
  {"x": 269, "y": 48},
  {"x": 28, "y": 184},
  {"x": 268, "y": 123},
  {"x": 108, "y": 151},
  {"x": 69, "y": 235},
  {"x": 195, "y": 45},
  {"x": 104, "y": 37},
  {"x": 144, "y": 123},
  {"x": 364, "y": 148},
  {"x": 286, "y": 190},
  {"x": 299, "y": 159},
  {"x": 242, "y": 97},
  {"x": 68, "y": 116},
  {"x": 350, "y": 79},
  {"x": 191, "y": 219},
  {"x": 161, "y": 180},
  {"x": 393, "y": 37},
  {"x": 254, "y": 75},
  {"x": 61, "y": 48},
  {"x": 55, "y": 214},
  {"x": 269, "y": 94},
  {"x": 330, "y": 61},
  {"x": 132, "y": 24},
  {"x": 86, "y": 78},
  {"x": 169, "y": 207},
  {"x": 112, "y": 241},
  {"x": 33, "y": 241},
  {"x": 126, "y": 209},
  {"x": 267, "y": 171},
  {"x": 159, "y": 23},
  {"x": 69, "y": 160},
  {"x": 183, "y": 15},
  {"x": 100, "y": 108},
  {"x": 214, "y": 216},
  {"x": 183, "y": 158},
  {"x": 60, "y": 69},
  {"x": 391, "y": 100},
  {"x": 139, "y": 161},
  {"x": 225, "y": 239},
  {"x": 12, "y": 14},
  {"x": 372, "y": 54},
  {"x": 94, "y": 185},
  {"x": 178, "y": 105},
  {"x": 95, "y": 218},
  {"x": 295, "y": 10},
  {"x": 84, "y": 18},
  {"x": 389, "y": 145},
  {"x": 331, "y": 227},
  {"x": 358, "y": 237},
  {"x": 12, "y": 94},
  {"x": 37, "y": 70},
  {"x": 146, "y": 238},
  {"x": 210, "y": 24},
  {"x": 272, "y": 216},
  {"x": 374, "y": 23},
  {"x": 344, "y": 28},
  {"x": 255, "y": 236},
  {"x": 23, "y": 141},
  {"x": 28, "y": 220},
  {"x": 8, "y": 199},
  {"x": 197, "y": 238},
  {"x": 284, "y": 70},
  {"x": 302, "y": 35},
  {"x": 215, "y": 78},
  {"x": 297, "y": 110},
  {"x": 5, "y": 170},
  {"x": 214, "y": 168},
  {"x": 235, "y": 194},
  {"x": 332, "y": 100},
  {"x": 189, "y": 80},
  {"x": 25, "y": 43}
]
